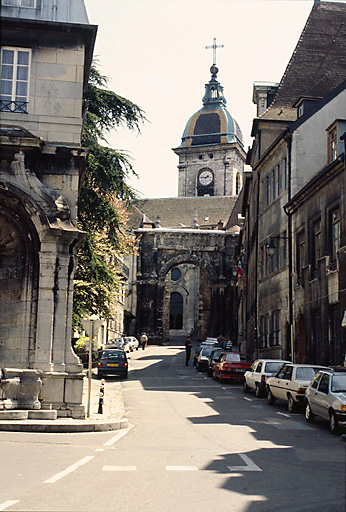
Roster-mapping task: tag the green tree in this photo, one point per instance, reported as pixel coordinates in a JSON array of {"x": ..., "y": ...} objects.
[{"x": 102, "y": 201}]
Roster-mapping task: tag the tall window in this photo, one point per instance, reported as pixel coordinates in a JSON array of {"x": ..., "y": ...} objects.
[
  {"x": 15, "y": 64},
  {"x": 19, "y": 3},
  {"x": 335, "y": 238},
  {"x": 300, "y": 255},
  {"x": 276, "y": 333},
  {"x": 283, "y": 173},
  {"x": 316, "y": 246},
  {"x": 332, "y": 143},
  {"x": 238, "y": 184}
]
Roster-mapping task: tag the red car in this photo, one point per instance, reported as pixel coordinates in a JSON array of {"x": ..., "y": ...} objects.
[{"x": 231, "y": 366}]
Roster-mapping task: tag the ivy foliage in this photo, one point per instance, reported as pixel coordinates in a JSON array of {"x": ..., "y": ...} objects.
[{"x": 102, "y": 203}]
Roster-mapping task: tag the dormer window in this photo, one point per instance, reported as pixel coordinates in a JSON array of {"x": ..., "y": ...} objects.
[
  {"x": 19, "y": 3},
  {"x": 15, "y": 63}
]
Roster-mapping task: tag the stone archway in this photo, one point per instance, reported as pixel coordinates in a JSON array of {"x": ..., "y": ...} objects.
[
  {"x": 19, "y": 247},
  {"x": 205, "y": 257}
]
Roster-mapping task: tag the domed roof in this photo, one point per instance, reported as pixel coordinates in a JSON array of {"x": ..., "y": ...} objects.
[{"x": 212, "y": 124}]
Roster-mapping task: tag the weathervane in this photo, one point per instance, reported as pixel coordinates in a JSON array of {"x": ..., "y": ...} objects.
[{"x": 214, "y": 47}]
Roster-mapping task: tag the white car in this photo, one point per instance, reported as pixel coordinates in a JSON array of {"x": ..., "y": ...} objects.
[
  {"x": 290, "y": 384},
  {"x": 326, "y": 397},
  {"x": 133, "y": 342},
  {"x": 260, "y": 371}
]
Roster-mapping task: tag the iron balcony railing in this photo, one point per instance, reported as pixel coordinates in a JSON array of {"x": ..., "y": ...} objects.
[{"x": 13, "y": 106}]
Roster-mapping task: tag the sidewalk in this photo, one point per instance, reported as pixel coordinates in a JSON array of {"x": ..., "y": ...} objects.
[{"x": 113, "y": 417}]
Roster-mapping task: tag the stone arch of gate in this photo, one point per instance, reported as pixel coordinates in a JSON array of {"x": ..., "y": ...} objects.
[
  {"x": 193, "y": 259},
  {"x": 198, "y": 260}
]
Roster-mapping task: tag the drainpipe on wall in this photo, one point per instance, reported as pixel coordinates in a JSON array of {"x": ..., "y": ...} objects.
[{"x": 290, "y": 247}]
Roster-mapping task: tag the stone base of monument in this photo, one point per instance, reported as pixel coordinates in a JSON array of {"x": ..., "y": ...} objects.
[{"x": 28, "y": 415}]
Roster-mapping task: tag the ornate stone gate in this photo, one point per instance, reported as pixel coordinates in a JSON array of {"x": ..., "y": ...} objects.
[{"x": 204, "y": 258}]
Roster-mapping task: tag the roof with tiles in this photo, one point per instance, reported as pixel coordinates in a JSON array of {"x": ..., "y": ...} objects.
[
  {"x": 180, "y": 212},
  {"x": 318, "y": 63}
]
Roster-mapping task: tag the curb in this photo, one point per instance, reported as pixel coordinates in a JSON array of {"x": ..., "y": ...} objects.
[{"x": 56, "y": 426}]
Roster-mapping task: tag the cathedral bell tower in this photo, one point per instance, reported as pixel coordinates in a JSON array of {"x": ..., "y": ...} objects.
[{"x": 211, "y": 153}]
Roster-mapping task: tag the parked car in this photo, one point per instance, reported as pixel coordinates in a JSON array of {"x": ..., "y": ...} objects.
[
  {"x": 209, "y": 342},
  {"x": 231, "y": 366},
  {"x": 203, "y": 358},
  {"x": 119, "y": 343},
  {"x": 326, "y": 397},
  {"x": 133, "y": 342},
  {"x": 257, "y": 376},
  {"x": 214, "y": 356},
  {"x": 113, "y": 362},
  {"x": 290, "y": 384}
]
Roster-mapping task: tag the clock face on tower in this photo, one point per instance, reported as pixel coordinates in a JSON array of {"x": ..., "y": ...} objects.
[{"x": 205, "y": 177}]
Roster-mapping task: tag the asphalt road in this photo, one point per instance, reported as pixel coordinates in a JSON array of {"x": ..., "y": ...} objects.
[{"x": 193, "y": 445}]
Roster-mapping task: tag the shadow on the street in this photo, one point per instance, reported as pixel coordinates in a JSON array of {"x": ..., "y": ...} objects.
[{"x": 287, "y": 442}]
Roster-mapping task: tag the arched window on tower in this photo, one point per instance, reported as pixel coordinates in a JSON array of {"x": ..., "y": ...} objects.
[
  {"x": 176, "y": 311},
  {"x": 238, "y": 184}
]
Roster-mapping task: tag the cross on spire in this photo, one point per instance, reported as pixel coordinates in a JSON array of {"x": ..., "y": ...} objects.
[{"x": 214, "y": 47}]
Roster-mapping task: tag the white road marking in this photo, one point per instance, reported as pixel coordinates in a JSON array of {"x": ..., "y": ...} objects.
[
  {"x": 181, "y": 468},
  {"x": 7, "y": 504},
  {"x": 283, "y": 414},
  {"x": 248, "y": 399},
  {"x": 119, "y": 468},
  {"x": 99, "y": 450},
  {"x": 69, "y": 470},
  {"x": 118, "y": 436},
  {"x": 250, "y": 465}
]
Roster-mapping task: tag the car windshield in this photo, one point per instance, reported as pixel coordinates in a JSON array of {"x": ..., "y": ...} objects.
[
  {"x": 306, "y": 373},
  {"x": 207, "y": 351},
  {"x": 113, "y": 354},
  {"x": 339, "y": 383},
  {"x": 273, "y": 367},
  {"x": 232, "y": 357}
]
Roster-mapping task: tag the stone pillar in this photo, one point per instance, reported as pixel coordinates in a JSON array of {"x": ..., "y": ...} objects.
[{"x": 45, "y": 312}]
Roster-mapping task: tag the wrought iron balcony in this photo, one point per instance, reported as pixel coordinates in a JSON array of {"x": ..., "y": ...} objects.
[{"x": 14, "y": 106}]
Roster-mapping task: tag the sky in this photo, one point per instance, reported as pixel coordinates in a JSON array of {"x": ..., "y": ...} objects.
[{"x": 153, "y": 52}]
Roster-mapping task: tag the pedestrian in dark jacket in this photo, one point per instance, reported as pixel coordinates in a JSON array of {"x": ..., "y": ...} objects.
[{"x": 188, "y": 347}]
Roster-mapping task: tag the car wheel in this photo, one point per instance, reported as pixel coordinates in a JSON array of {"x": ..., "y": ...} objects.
[
  {"x": 270, "y": 398},
  {"x": 258, "y": 392},
  {"x": 291, "y": 404},
  {"x": 333, "y": 423},
  {"x": 309, "y": 415},
  {"x": 246, "y": 387},
  {"x": 221, "y": 380},
  {"x": 213, "y": 375}
]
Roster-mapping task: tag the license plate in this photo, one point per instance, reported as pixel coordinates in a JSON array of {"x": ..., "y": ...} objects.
[
  {"x": 239, "y": 370},
  {"x": 112, "y": 364}
]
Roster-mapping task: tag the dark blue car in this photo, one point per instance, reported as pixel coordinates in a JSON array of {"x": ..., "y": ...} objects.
[{"x": 113, "y": 362}]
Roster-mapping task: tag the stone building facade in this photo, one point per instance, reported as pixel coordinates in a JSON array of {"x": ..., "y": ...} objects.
[
  {"x": 289, "y": 150},
  {"x": 45, "y": 57}
]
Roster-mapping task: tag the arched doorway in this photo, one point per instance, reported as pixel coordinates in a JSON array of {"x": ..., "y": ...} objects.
[
  {"x": 176, "y": 311},
  {"x": 18, "y": 284}
]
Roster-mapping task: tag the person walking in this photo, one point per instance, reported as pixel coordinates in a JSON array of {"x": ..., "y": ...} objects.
[
  {"x": 144, "y": 340},
  {"x": 188, "y": 347}
]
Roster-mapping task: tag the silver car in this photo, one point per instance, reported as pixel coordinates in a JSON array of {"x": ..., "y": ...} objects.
[
  {"x": 290, "y": 383},
  {"x": 326, "y": 397}
]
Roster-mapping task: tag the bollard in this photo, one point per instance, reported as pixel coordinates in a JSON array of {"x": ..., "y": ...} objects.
[{"x": 101, "y": 395}]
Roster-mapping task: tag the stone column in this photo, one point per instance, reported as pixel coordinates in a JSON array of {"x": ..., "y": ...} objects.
[{"x": 45, "y": 312}]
